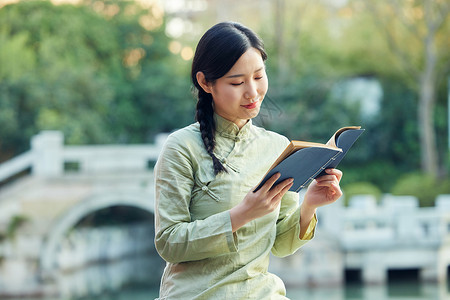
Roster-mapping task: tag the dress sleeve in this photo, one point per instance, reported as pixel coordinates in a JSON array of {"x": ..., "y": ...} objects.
[
  {"x": 177, "y": 237},
  {"x": 288, "y": 239}
]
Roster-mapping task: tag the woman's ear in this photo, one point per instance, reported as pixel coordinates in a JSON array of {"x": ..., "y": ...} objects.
[{"x": 206, "y": 86}]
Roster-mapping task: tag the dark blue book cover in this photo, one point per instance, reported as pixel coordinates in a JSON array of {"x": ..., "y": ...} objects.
[{"x": 304, "y": 161}]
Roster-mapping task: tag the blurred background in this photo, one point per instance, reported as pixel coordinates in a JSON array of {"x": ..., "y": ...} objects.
[{"x": 89, "y": 90}]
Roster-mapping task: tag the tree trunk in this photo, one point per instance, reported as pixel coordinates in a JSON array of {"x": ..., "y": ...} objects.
[
  {"x": 279, "y": 39},
  {"x": 426, "y": 129},
  {"x": 429, "y": 156}
]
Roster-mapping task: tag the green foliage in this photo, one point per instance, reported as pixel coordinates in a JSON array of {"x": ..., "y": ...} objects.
[
  {"x": 443, "y": 186},
  {"x": 360, "y": 188},
  {"x": 399, "y": 125},
  {"x": 381, "y": 173},
  {"x": 102, "y": 73},
  {"x": 358, "y": 39},
  {"x": 15, "y": 57},
  {"x": 425, "y": 187},
  {"x": 14, "y": 224},
  {"x": 66, "y": 86},
  {"x": 2, "y": 238},
  {"x": 307, "y": 112},
  {"x": 101, "y": 77}
]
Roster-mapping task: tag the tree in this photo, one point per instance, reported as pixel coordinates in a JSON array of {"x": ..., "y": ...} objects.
[
  {"x": 100, "y": 72},
  {"x": 416, "y": 32},
  {"x": 54, "y": 73}
]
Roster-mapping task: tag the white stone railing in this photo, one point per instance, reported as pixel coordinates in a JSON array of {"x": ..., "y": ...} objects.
[
  {"x": 397, "y": 221},
  {"x": 48, "y": 156},
  {"x": 16, "y": 165}
]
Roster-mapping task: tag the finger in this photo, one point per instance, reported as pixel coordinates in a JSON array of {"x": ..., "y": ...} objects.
[
  {"x": 325, "y": 183},
  {"x": 286, "y": 189},
  {"x": 269, "y": 183},
  {"x": 337, "y": 190},
  {"x": 328, "y": 183},
  {"x": 336, "y": 172},
  {"x": 277, "y": 197},
  {"x": 326, "y": 177},
  {"x": 280, "y": 186}
]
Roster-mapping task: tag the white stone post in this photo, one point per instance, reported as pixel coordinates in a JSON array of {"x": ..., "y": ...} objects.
[
  {"x": 160, "y": 139},
  {"x": 47, "y": 149},
  {"x": 443, "y": 260},
  {"x": 432, "y": 273},
  {"x": 374, "y": 271}
]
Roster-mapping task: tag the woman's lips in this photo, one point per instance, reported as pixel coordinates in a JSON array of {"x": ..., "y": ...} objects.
[{"x": 251, "y": 105}]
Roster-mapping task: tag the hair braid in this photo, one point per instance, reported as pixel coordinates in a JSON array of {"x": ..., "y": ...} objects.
[
  {"x": 216, "y": 53},
  {"x": 205, "y": 117}
]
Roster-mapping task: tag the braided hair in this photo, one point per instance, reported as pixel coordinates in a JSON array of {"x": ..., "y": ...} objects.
[{"x": 217, "y": 51}]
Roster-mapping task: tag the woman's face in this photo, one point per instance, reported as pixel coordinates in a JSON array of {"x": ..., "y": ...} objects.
[{"x": 239, "y": 93}]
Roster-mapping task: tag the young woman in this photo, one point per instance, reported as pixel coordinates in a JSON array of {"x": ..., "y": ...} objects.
[{"x": 213, "y": 231}]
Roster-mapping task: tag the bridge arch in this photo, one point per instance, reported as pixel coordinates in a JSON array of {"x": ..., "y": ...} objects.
[{"x": 78, "y": 211}]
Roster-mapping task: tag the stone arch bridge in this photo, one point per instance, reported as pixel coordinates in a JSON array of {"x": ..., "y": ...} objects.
[{"x": 46, "y": 191}]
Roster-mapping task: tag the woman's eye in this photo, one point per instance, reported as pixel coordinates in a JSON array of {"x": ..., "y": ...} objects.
[
  {"x": 258, "y": 78},
  {"x": 236, "y": 84}
]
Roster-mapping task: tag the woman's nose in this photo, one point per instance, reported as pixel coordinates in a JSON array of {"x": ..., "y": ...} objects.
[{"x": 251, "y": 91}]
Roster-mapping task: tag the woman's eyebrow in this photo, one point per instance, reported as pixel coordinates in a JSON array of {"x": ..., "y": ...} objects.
[{"x": 242, "y": 75}]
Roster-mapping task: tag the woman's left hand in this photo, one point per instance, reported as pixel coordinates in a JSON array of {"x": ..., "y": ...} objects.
[{"x": 324, "y": 190}]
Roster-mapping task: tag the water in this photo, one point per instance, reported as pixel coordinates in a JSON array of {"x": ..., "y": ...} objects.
[
  {"x": 137, "y": 278},
  {"x": 131, "y": 293},
  {"x": 394, "y": 291}
]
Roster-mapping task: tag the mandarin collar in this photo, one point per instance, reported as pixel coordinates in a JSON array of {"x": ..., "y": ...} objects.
[{"x": 230, "y": 130}]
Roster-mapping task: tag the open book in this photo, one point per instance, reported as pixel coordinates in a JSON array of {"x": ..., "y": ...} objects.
[{"x": 304, "y": 161}]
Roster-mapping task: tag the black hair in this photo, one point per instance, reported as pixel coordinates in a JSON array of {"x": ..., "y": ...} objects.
[{"x": 217, "y": 51}]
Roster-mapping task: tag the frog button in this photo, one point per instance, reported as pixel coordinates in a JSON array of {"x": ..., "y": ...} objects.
[{"x": 205, "y": 188}]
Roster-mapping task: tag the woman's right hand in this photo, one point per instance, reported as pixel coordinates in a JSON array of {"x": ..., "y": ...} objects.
[{"x": 259, "y": 203}]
